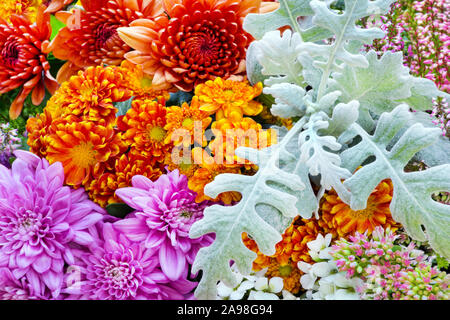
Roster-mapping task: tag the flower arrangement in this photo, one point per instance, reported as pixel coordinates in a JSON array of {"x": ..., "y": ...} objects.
[{"x": 231, "y": 150}]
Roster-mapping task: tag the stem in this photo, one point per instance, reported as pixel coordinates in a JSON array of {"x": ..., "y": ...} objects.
[
  {"x": 293, "y": 19},
  {"x": 337, "y": 45}
]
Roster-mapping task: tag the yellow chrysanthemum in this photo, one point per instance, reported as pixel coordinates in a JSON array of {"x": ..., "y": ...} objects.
[
  {"x": 26, "y": 8},
  {"x": 230, "y": 135},
  {"x": 143, "y": 129},
  {"x": 339, "y": 219},
  {"x": 102, "y": 189},
  {"x": 229, "y": 99},
  {"x": 187, "y": 124},
  {"x": 207, "y": 171}
]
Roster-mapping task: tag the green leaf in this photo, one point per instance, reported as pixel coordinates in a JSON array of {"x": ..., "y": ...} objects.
[
  {"x": 277, "y": 54},
  {"x": 378, "y": 86},
  {"x": 178, "y": 98},
  {"x": 56, "y": 26},
  {"x": 286, "y": 15},
  {"x": 123, "y": 107},
  {"x": 119, "y": 210},
  {"x": 411, "y": 203}
]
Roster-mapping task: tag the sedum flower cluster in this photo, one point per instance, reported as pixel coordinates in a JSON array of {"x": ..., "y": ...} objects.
[{"x": 390, "y": 271}]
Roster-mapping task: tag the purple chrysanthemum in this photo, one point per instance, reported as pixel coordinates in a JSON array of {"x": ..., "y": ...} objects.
[
  {"x": 14, "y": 289},
  {"x": 41, "y": 220},
  {"x": 165, "y": 212},
  {"x": 120, "y": 269}
]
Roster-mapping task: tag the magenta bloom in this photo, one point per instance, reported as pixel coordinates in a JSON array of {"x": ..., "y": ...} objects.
[
  {"x": 13, "y": 289},
  {"x": 120, "y": 269},
  {"x": 165, "y": 212},
  {"x": 40, "y": 221}
]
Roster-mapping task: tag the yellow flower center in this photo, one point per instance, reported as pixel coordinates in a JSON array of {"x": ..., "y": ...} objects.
[
  {"x": 83, "y": 155},
  {"x": 364, "y": 213},
  {"x": 285, "y": 271},
  {"x": 146, "y": 82},
  {"x": 187, "y": 122},
  {"x": 157, "y": 134}
]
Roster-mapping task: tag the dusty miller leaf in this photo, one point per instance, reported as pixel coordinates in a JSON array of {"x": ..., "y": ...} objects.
[
  {"x": 411, "y": 204},
  {"x": 277, "y": 55},
  {"x": 229, "y": 222}
]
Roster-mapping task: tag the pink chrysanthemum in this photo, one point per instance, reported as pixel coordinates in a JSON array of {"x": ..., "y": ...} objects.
[
  {"x": 40, "y": 221},
  {"x": 120, "y": 269},
  {"x": 13, "y": 289},
  {"x": 165, "y": 212}
]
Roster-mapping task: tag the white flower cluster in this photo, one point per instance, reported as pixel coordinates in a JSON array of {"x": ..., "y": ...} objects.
[
  {"x": 254, "y": 287},
  {"x": 322, "y": 280}
]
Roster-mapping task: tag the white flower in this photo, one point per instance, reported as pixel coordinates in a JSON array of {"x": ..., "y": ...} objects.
[
  {"x": 275, "y": 284},
  {"x": 321, "y": 269},
  {"x": 307, "y": 281},
  {"x": 223, "y": 290},
  {"x": 261, "y": 284},
  {"x": 303, "y": 266},
  {"x": 320, "y": 242},
  {"x": 260, "y": 295}
]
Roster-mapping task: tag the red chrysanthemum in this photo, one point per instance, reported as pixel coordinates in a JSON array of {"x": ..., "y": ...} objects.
[
  {"x": 22, "y": 61},
  {"x": 90, "y": 37},
  {"x": 198, "y": 40}
]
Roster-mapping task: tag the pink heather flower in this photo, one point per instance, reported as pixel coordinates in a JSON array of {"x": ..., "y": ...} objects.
[
  {"x": 120, "y": 269},
  {"x": 40, "y": 221},
  {"x": 165, "y": 212}
]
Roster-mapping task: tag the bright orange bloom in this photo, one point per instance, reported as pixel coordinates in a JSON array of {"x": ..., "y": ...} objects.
[
  {"x": 56, "y": 5},
  {"x": 197, "y": 40},
  {"x": 292, "y": 247},
  {"x": 143, "y": 129},
  {"x": 91, "y": 94},
  {"x": 84, "y": 148},
  {"x": 339, "y": 219},
  {"x": 207, "y": 171},
  {"x": 24, "y": 8},
  {"x": 102, "y": 189},
  {"x": 229, "y": 99},
  {"x": 90, "y": 37},
  {"x": 38, "y": 129},
  {"x": 181, "y": 124},
  {"x": 230, "y": 135},
  {"x": 140, "y": 83},
  {"x": 22, "y": 61}
]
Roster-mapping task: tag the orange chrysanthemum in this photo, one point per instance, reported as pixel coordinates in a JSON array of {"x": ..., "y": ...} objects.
[
  {"x": 207, "y": 171},
  {"x": 292, "y": 247},
  {"x": 22, "y": 61},
  {"x": 229, "y": 99},
  {"x": 102, "y": 189},
  {"x": 230, "y": 135},
  {"x": 84, "y": 148},
  {"x": 27, "y": 8},
  {"x": 37, "y": 129},
  {"x": 187, "y": 124},
  {"x": 339, "y": 219},
  {"x": 140, "y": 83},
  {"x": 289, "y": 272},
  {"x": 197, "y": 40},
  {"x": 90, "y": 37},
  {"x": 143, "y": 129}
]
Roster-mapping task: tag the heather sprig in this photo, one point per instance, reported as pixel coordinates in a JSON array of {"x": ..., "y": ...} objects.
[{"x": 9, "y": 141}]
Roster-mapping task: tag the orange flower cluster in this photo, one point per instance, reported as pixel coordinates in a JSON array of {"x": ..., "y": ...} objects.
[
  {"x": 339, "y": 219},
  {"x": 99, "y": 151},
  {"x": 194, "y": 41},
  {"x": 90, "y": 37},
  {"x": 227, "y": 101},
  {"x": 23, "y": 62},
  {"x": 290, "y": 250}
]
